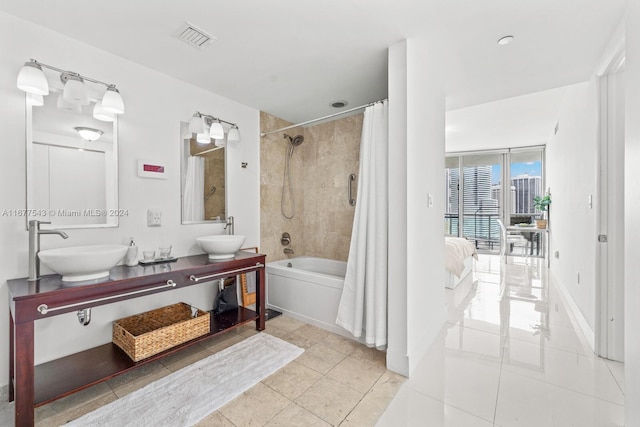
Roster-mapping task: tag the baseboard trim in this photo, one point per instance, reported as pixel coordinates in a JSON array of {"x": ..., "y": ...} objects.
[{"x": 583, "y": 324}]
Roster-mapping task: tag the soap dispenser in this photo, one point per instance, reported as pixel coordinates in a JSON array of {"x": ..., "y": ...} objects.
[{"x": 131, "y": 259}]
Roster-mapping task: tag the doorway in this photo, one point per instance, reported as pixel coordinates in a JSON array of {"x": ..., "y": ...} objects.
[{"x": 610, "y": 249}]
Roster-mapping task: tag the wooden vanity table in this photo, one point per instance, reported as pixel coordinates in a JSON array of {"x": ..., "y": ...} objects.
[{"x": 31, "y": 386}]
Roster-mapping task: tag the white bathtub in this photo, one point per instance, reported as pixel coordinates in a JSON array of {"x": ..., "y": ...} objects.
[{"x": 308, "y": 289}]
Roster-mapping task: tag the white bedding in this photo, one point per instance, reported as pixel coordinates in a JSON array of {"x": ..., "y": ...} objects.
[{"x": 456, "y": 250}]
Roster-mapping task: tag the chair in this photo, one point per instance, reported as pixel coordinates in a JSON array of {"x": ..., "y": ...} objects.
[{"x": 511, "y": 241}]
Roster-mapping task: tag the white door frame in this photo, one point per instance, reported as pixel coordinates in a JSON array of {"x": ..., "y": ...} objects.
[{"x": 609, "y": 331}]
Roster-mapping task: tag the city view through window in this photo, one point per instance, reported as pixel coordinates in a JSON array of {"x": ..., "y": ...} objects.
[{"x": 481, "y": 188}]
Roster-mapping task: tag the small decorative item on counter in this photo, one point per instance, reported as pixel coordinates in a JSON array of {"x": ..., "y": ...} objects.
[{"x": 131, "y": 258}]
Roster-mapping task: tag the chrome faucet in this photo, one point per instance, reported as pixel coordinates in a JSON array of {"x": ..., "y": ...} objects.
[
  {"x": 230, "y": 226},
  {"x": 34, "y": 246}
]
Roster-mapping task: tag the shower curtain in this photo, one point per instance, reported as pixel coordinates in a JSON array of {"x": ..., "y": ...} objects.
[
  {"x": 363, "y": 305},
  {"x": 193, "y": 194}
]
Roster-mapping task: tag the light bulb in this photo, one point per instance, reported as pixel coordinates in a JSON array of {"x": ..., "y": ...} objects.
[
  {"x": 99, "y": 113},
  {"x": 112, "y": 101},
  {"x": 216, "y": 132},
  {"x": 74, "y": 90},
  {"x": 234, "y": 134},
  {"x": 31, "y": 79}
]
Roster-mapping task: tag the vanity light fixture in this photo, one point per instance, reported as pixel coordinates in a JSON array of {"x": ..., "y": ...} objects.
[
  {"x": 89, "y": 134},
  {"x": 74, "y": 90},
  {"x": 35, "y": 100},
  {"x": 64, "y": 105},
  {"x": 112, "y": 100},
  {"x": 32, "y": 79},
  {"x": 101, "y": 114},
  {"x": 203, "y": 123},
  {"x": 234, "y": 134},
  {"x": 216, "y": 131},
  {"x": 203, "y": 138}
]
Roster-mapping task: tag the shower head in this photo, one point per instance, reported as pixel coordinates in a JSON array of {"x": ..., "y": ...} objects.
[{"x": 295, "y": 140}]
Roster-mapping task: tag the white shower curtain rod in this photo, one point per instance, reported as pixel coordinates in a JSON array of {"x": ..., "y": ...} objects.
[{"x": 308, "y": 122}]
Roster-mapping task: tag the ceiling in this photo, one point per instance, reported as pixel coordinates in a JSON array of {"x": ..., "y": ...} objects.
[{"x": 292, "y": 58}]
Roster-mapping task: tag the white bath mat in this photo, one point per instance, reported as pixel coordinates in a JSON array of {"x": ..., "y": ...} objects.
[{"x": 185, "y": 397}]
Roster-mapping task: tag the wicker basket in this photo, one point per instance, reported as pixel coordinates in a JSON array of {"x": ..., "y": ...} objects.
[{"x": 146, "y": 334}]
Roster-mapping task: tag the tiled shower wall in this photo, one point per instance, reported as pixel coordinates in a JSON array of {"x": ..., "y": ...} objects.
[{"x": 320, "y": 170}]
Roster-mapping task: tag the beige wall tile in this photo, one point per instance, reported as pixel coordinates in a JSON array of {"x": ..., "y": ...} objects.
[{"x": 320, "y": 169}]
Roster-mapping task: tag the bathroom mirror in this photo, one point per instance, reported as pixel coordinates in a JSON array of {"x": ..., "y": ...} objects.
[
  {"x": 203, "y": 184},
  {"x": 72, "y": 181}
]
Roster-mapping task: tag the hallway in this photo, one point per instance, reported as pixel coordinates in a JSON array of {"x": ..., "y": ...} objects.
[{"x": 511, "y": 354}]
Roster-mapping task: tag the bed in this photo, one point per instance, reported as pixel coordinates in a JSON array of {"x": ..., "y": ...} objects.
[{"x": 458, "y": 263}]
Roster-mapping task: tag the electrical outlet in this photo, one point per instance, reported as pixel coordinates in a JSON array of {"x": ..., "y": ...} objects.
[{"x": 154, "y": 218}]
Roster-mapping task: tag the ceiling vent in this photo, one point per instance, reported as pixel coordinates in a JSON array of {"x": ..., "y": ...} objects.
[{"x": 194, "y": 36}]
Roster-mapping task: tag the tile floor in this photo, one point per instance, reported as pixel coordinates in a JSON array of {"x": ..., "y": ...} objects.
[
  {"x": 336, "y": 381},
  {"x": 509, "y": 355}
]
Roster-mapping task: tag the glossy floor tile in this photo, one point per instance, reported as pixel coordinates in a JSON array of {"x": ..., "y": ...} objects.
[{"x": 510, "y": 355}]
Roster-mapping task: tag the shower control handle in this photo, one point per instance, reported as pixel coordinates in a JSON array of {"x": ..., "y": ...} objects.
[
  {"x": 352, "y": 200},
  {"x": 285, "y": 240}
]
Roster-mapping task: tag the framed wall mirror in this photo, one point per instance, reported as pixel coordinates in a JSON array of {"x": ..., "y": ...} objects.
[
  {"x": 72, "y": 165},
  {"x": 203, "y": 179}
]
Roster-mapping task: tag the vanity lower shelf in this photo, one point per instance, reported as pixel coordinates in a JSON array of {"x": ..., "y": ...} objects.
[{"x": 78, "y": 371}]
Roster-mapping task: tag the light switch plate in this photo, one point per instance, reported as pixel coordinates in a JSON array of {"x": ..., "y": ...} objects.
[{"x": 154, "y": 218}]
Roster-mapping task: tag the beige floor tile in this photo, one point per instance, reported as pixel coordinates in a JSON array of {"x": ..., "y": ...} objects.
[
  {"x": 215, "y": 419},
  {"x": 341, "y": 344},
  {"x": 311, "y": 332},
  {"x": 185, "y": 357},
  {"x": 295, "y": 416},
  {"x": 299, "y": 340},
  {"x": 292, "y": 380},
  {"x": 255, "y": 407},
  {"x": 285, "y": 323},
  {"x": 225, "y": 341},
  {"x": 370, "y": 354},
  {"x": 277, "y": 332},
  {"x": 357, "y": 374},
  {"x": 320, "y": 358},
  {"x": 138, "y": 378},
  {"x": 374, "y": 403},
  {"x": 81, "y": 398},
  {"x": 329, "y": 400},
  {"x": 63, "y": 417}
]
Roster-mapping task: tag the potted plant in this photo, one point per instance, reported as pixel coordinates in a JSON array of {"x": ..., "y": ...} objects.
[{"x": 542, "y": 204}]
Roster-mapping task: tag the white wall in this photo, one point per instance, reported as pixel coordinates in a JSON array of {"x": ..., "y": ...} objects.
[
  {"x": 572, "y": 177},
  {"x": 155, "y": 104},
  {"x": 416, "y": 169},
  {"x": 632, "y": 211}
]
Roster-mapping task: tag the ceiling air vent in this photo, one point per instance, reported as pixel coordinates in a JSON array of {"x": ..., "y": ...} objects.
[{"x": 194, "y": 36}]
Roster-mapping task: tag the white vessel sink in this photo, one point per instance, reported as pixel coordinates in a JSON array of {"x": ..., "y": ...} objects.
[
  {"x": 79, "y": 263},
  {"x": 221, "y": 246}
]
